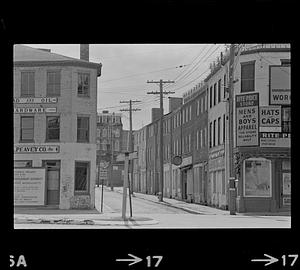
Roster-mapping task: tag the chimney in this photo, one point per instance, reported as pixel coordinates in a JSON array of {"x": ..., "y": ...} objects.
[
  {"x": 174, "y": 103},
  {"x": 84, "y": 52},
  {"x": 155, "y": 114}
]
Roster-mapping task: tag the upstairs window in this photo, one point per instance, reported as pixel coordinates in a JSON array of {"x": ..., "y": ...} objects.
[
  {"x": 27, "y": 84},
  {"x": 83, "y": 85},
  {"x": 27, "y": 128},
  {"x": 53, "y": 128},
  {"x": 53, "y": 83},
  {"x": 248, "y": 76},
  {"x": 82, "y": 129},
  {"x": 286, "y": 119}
]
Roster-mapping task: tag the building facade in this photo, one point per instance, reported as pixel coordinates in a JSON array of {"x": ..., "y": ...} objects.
[
  {"x": 55, "y": 128},
  {"x": 109, "y": 145}
]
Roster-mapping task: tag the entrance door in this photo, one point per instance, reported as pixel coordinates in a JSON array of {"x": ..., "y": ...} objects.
[
  {"x": 52, "y": 181},
  {"x": 184, "y": 185}
]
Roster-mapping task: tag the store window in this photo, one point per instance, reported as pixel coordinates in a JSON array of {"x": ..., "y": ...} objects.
[
  {"x": 247, "y": 77},
  {"x": 27, "y": 84},
  {"x": 27, "y": 129},
  {"x": 83, "y": 85},
  {"x": 286, "y": 119},
  {"x": 53, "y": 83},
  {"x": 257, "y": 177},
  {"x": 82, "y": 171},
  {"x": 82, "y": 129},
  {"x": 53, "y": 128}
]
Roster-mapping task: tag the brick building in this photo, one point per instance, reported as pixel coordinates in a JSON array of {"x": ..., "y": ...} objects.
[{"x": 55, "y": 127}]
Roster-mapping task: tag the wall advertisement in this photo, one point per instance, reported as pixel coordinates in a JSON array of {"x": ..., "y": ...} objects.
[
  {"x": 247, "y": 115},
  {"x": 257, "y": 177},
  {"x": 280, "y": 85},
  {"x": 275, "y": 139},
  {"x": 29, "y": 186}
]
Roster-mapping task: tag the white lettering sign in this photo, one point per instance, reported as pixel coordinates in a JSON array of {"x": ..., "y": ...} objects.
[
  {"x": 21, "y": 149},
  {"x": 280, "y": 85},
  {"x": 33, "y": 100},
  {"x": 34, "y": 110},
  {"x": 29, "y": 186}
]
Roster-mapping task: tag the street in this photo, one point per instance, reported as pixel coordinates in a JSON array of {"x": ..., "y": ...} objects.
[{"x": 165, "y": 215}]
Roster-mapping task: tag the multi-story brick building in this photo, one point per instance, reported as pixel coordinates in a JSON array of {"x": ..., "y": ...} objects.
[
  {"x": 109, "y": 145},
  {"x": 55, "y": 127}
]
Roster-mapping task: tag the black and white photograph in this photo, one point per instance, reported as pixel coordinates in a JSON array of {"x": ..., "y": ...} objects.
[{"x": 147, "y": 136}]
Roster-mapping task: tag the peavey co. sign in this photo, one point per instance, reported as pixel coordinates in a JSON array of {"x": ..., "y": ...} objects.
[
  {"x": 247, "y": 125},
  {"x": 35, "y": 100},
  {"x": 28, "y": 149}
]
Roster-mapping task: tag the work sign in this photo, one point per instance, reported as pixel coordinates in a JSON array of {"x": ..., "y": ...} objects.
[{"x": 247, "y": 125}]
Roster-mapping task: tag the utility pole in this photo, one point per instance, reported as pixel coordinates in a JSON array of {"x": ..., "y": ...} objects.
[
  {"x": 130, "y": 181},
  {"x": 161, "y": 152},
  {"x": 232, "y": 190}
]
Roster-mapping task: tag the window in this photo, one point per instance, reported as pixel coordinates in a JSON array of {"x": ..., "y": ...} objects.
[
  {"x": 191, "y": 112},
  {"x": 198, "y": 105},
  {"x": 27, "y": 84},
  {"x": 183, "y": 116},
  {"x": 82, "y": 175},
  {"x": 82, "y": 129},
  {"x": 27, "y": 128},
  {"x": 201, "y": 138},
  {"x": 83, "y": 85},
  {"x": 219, "y": 130},
  {"x": 117, "y": 145},
  {"x": 53, "y": 83},
  {"x": 210, "y": 97},
  {"x": 219, "y": 91},
  {"x": 225, "y": 84},
  {"x": 215, "y": 94},
  {"x": 53, "y": 128},
  {"x": 214, "y": 135},
  {"x": 197, "y": 139},
  {"x": 210, "y": 134},
  {"x": 224, "y": 126},
  {"x": 202, "y": 104},
  {"x": 205, "y": 137},
  {"x": 286, "y": 119},
  {"x": 190, "y": 142},
  {"x": 247, "y": 76}
]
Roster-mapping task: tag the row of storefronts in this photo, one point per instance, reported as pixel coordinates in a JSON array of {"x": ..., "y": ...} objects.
[{"x": 197, "y": 131}]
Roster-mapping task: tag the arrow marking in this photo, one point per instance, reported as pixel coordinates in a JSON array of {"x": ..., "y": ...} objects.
[
  {"x": 270, "y": 260},
  {"x": 134, "y": 260}
]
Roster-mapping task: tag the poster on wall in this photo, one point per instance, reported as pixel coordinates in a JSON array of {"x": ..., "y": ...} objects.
[
  {"x": 247, "y": 125},
  {"x": 286, "y": 183},
  {"x": 257, "y": 178},
  {"x": 29, "y": 186},
  {"x": 280, "y": 85}
]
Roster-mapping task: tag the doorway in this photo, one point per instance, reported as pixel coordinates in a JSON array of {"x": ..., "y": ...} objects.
[
  {"x": 52, "y": 181},
  {"x": 184, "y": 185}
]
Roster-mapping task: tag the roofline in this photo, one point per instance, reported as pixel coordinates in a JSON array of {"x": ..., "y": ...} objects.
[{"x": 59, "y": 63}]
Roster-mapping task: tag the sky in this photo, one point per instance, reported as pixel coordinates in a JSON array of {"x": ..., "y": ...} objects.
[{"x": 126, "y": 68}]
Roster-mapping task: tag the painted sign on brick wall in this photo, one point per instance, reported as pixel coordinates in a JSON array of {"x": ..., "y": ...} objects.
[{"x": 247, "y": 125}]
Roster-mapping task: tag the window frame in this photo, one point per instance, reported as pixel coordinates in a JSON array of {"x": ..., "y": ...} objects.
[
  {"x": 89, "y": 84},
  {"x": 248, "y": 63},
  {"x": 22, "y": 94},
  {"x": 87, "y": 191},
  {"x": 88, "y": 136},
  {"x": 54, "y": 94},
  {"x": 26, "y": 140},
  {"x": 47, "y": 129}
]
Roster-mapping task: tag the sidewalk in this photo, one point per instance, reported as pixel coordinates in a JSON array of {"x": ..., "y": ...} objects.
[
  {"x": 197, "y": 208},
  {"x": 38, "y": 215}
]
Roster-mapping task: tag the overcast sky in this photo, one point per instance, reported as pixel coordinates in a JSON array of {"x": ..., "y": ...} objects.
[{"x": 127, "y": 67}]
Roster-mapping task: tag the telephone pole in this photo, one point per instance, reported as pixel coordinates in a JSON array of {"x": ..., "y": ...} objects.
[
  {"x": 161, "y": 152},
  {"x": 131, "y": 148}
]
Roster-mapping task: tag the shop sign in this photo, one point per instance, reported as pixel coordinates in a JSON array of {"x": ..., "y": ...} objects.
[
  {"x": 186, "y": 161},
  {"x": 29, "y": 186},
  {"x": 247, "y": 119},
  {"x": 257, "y": 177},
  {"x": 216, "y": 154},
  {"x": 280, "y": 85},
  {"x": 270, "y": 116},
  {"x": 34, "y": 110},
  {"x": 20, "y": 149},
  {"x": 275, "y": 139},
  {"x": 37, "y": 100}
]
